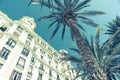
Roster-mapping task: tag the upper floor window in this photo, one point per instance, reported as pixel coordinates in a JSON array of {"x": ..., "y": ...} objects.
[
  {"x": 15, "y": 75},
  {"x": 42, "y": 52},
  {"x": 11, "y": 24},
  {"x": 49, "y": 57},
  {"x": 25, "y": 52},
  {"x": 19, "y": 29},
  {"x": 27, "y": 42},
  {"x": 43, "y": 44},
  {"x": 1, "y": 65},
  {"x": 16, "y": 34},
  {"x": 39, "y": 77},
  {"x": 11, "y": 43},
  {"x": 29, "y": 37},
  {"x": 4, "y": 53},
  {"x": 3, "y": 29},
  {"x": 32, "y": 59},
  {"x": 41, "y": 57},
  {"x": 55, "y": 54},
  {"x": 41, "y": 67},
  {"x": 56, "y": 62},
  {"x": 58, "y": 77},
  {"x": 21, "y": 62},
  {"x": 66, "y": 79},
  {"x": 50, "y": 50},
  {"x": 34, "y": 48},
  {"x": 50, "y": 73},
  {"x": 30, "y": 70}
]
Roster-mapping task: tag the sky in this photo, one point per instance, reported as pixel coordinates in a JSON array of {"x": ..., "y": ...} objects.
[{"x": 16, "y": 9}]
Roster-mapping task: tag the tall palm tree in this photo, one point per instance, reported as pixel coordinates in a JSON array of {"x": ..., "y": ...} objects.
[
  {"x": 111, "y": 50},
  {"x": 66, "y": 13},
  {"x": 109, "y": 61}
]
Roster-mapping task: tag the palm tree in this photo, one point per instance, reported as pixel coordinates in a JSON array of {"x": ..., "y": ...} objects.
[
  {"x": 66, "y": 13},
  {"x": 109, "y": 61},
  {"x": 111, "y": 50}
]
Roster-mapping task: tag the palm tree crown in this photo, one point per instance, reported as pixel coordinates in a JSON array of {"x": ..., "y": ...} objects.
[
  {"x": 68, "y": 9},
  {"x": 113, "y": 26}
]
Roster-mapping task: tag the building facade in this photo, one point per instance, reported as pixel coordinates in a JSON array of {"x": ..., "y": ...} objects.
[{"x": 24, "y": 55}]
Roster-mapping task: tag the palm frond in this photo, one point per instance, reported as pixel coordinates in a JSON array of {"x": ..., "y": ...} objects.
[
  {"x": 58, "y": 2},
  {"x": 46, "y": 17},
  {"x": 87, "y": 21},
  {"x": 44, "y": 3},
  {"x": 80, "y": 75},
  {"x": 74, "y": 49},
  {"x": 97, "y": 46},
  {"x": 29, "y": 3},
  {"x": 73, "y": 4},
  {"x": 81, "y": 27},
  {"x": 92, "y": 45},
  {"x": 72, "y": 59},
  {"x": 90, "y": 22},
  {"x": 77, "y": 8},
  {"x": 67, "y": 3},
  {"x": 63, "y": 31},
  {"x": 92, "y": 13},
  {"x": 113, "y": 26},
  {"x": 52, "y": 23},
  {"x": 56, "y": 29}
]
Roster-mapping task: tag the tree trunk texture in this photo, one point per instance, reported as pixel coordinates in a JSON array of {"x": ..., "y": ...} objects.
[{"x": 93, "y": 69}]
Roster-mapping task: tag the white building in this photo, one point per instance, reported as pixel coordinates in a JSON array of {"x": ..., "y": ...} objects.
[{"x": 26, "y": 56}]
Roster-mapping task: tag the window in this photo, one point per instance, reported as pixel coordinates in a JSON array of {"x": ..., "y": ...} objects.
[
  {"x": 56, "y": 62},
  {"x": 1, "y": 65},
  {"x": 29, "y": 37},
  {"x": 66, "y": 79},
  {"x": 58, "y": 77},
  {"x": 19, "y": 29},
  {"x": 30, "y": 70},
  {"x": 41, "y": 57},
  {"x": 50, "y": 73},
  {"x": 34, "y": 48},
  {"x": 69, "y": 73},
  {"x": 11, "y": 24},
  {"x": 4, "y": 53},
  {"x": 50, "y": 50},
  {"x": 41, "y": 67},
  {"x": 15, "y": 75},
  {"x": 42, "y": 52},
  {"x": 27, "y": 42},
  {"x": 55, "y": 54},
  {"x": 11, "y": 43},
  {"x": 50, "y": 59},
  {"x": 39, "y": 76},
  {"x": 21, "y": 62},
  {"x": 16, "y": 34},
  {"x": 25, "y": 52},
  {"x": 3, "y": 29},
  {"x": 32, "y": 59},
  {"x": 43, "y": 44}
]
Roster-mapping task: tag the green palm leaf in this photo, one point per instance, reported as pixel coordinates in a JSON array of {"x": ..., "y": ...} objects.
[
  {"x": 56, "y": 29},
  {"x": 92, "y": 13},
  {"x": 78, "y": 7}
]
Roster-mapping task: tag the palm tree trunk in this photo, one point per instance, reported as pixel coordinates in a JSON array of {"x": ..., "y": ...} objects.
[{"x": 92, "y": 67}]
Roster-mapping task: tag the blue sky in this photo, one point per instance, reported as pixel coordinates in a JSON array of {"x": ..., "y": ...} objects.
[{"x": 15, "y": 9}]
